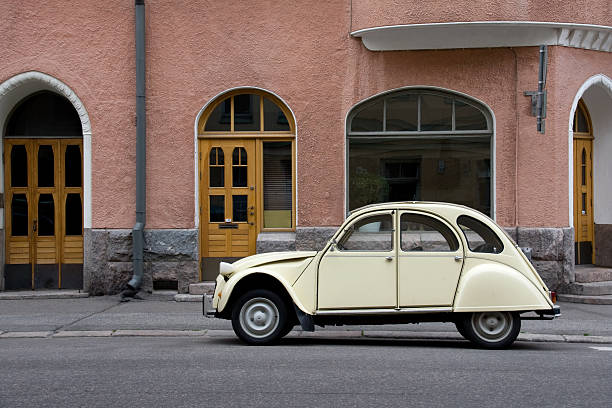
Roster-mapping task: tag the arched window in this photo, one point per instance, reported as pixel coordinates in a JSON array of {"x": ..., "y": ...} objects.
[{"x": 419, "y": 144}]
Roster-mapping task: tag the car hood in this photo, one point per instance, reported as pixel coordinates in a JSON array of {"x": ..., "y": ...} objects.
[{"x": 261, "y": 259}]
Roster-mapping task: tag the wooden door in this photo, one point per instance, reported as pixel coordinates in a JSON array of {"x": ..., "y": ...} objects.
[
  {"x": 583, "y": 200},
  {"x": 228, "y": 214},
  {"x": 43, "y": 212}
]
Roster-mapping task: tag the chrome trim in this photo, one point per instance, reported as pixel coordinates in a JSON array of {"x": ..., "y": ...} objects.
[{"x": 404, "y": 310}]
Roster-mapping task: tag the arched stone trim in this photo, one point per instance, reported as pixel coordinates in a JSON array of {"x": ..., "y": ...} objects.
[
  {"x": 489, "y": 114},
  {"x": 214, "y": 99},
  {"x": 604, "y": 83},
  {"x": 19, "y": 86}
]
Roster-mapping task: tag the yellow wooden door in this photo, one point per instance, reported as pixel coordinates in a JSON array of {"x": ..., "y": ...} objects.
[
  {"x": 583, "y": 200},
  {"x": 228, "y": 214},
  {"x": 43, "y": 212}
]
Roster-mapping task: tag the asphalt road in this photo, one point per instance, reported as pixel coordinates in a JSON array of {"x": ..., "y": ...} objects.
[{"x": 221, "y": 372}]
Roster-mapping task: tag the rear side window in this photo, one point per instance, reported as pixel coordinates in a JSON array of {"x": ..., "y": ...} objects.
[
  {"x": 423, "y": 233},
  {"x": 479, "y": 237}
]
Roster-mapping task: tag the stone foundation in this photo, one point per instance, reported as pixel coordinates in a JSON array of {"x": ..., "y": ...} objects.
[
  {"x": 168, "y": 255},
  {"x": 603, "y": 245},
  {"x": 552, "y": 253}
]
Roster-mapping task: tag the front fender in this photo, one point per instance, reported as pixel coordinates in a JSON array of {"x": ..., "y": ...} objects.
[
  {"x": 487, "y": 286},
  {"x": 235, "y": 279}
]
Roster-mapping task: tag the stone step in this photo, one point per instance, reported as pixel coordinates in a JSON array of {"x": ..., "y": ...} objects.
[
  {"x": 202, "y": 288},
  {"x": 162, "y": 295},
  {"x": 592, "y": 300},
  {"x": 593, "y": 274},
  {"x": 591, "y": 288}
]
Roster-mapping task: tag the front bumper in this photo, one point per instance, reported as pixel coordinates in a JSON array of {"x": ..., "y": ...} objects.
[{"x": 207, "y": 306}]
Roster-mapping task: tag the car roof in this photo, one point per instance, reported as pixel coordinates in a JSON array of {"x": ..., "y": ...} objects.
[{"x": 446, "y": 210}]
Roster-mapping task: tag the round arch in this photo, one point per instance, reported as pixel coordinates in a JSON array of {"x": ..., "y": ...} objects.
[
  {"x": 603, "y": 84},
  {"x": 422, "y": 133},
  {"x": 15, "y": 89},
  {"x": 596, "y": 94}
]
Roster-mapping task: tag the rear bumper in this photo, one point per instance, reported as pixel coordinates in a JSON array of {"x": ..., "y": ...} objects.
[
  {"x": 547, "y": 314},
  {"x": 207, "y": 306}
]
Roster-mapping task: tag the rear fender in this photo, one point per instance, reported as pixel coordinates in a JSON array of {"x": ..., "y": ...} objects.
[{"x": 492, "y": 286}]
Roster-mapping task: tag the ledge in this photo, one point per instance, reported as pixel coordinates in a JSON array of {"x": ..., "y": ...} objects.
[{"x": 485, "y": 34}]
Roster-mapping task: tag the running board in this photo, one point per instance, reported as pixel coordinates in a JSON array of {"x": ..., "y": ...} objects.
[{"x": 355, "y": 312}]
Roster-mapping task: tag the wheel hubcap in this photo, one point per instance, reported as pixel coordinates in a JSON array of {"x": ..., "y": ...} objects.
[
  {"x": 492, "y": 326},
  {"x": 259, "y": 317}
]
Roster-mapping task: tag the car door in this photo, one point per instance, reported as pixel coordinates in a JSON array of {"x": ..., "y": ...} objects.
[
  {"x": 430, "y": 258},
  {"x": 359, "y": 271}
]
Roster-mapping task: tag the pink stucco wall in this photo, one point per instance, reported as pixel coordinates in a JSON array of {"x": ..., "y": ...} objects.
[
  {"x": 89, "y": 46},
  {"x": 368, "y": 13},
  {"x": 304, "y": 54}
]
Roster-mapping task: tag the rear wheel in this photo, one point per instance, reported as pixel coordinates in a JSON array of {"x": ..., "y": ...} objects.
[
  {"x": 259, "y": 317},
  {"x": 491, "y": 329}
]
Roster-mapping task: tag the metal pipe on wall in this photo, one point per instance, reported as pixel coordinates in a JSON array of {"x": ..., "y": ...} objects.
[{"x": 138, "y": 230}]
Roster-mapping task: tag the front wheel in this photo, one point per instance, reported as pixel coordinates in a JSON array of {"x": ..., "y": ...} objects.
[
  {"x": 492, "y": 330},
  {"x": 259, "y": 317}
]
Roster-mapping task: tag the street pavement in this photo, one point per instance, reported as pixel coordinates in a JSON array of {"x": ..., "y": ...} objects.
[
  {"x": 107, "y": 316},
  {"x": 298, "y": 372}
]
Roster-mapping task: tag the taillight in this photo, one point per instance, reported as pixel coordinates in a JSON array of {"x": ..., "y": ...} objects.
[{"x": 553, "y": 296}]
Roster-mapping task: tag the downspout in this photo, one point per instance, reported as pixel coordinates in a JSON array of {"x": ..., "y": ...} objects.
[{"x": 138, "y": 230}]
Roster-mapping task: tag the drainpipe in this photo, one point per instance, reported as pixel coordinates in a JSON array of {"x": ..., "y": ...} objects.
[{"x": 138, "y": 231}]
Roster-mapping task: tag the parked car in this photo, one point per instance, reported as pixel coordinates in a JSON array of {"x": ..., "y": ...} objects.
[{"x": 389, "y": 263}]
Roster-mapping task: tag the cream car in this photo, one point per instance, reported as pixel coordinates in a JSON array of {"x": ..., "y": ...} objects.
[{"x": 389, "y": 263}]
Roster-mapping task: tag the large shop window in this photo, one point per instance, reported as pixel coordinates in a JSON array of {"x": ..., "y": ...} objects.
[{"x": 419, "y": 145}]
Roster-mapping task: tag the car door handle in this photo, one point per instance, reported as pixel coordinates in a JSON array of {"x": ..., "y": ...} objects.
[
  {"x": 388, "y": 258},
  {"x": 458, "y": 258}
]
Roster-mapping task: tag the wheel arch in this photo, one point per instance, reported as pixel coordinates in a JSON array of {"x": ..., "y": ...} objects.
[{"x": 251, "y": 280}]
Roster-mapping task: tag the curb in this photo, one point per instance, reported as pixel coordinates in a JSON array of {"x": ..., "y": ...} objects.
[
  {"x": 43, "y": 294},
  {"x": 325, "y": 334}
]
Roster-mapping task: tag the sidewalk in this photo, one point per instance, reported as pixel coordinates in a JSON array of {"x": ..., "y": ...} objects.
[{"x": 108, "y": 317}]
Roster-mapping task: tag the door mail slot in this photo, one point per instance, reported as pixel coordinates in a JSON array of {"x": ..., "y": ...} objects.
[{"x": 228, "y": 225}]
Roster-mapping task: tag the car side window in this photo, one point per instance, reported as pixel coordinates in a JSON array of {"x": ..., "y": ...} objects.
[
  {"x": 479, "y": 237},
  {"x": 427, "y": 234},
  {"x": 374, "y": 233}
]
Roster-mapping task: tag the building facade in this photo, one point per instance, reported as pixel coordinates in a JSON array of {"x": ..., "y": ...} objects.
[{"x": 266, "y": 122}]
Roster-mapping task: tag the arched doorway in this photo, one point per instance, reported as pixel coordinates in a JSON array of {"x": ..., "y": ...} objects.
[
  {"x": 420, "y": 145},
  {"x": 246, "y": 161},
  {"x": 43, "y": 194},
  {"x": 583, "y": 185},
  {"x": 590, "y": 127}
]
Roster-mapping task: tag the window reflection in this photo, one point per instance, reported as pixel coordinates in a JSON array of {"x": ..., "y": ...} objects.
[
  {"x": 19, "y": 215},
  {"x": 46, "y": 168},
  {"x": 46, "y": 215},
  {"x": 450, "y": 170},
  {"x": 74, "y": 214},
  {"x": 19, "y": 166},
  {"x": 73, "y": 166}
]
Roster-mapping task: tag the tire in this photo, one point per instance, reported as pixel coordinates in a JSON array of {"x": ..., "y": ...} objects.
[
  {"x": 492, "y": 330},
  {"x": 259, "y": 317},
  {"x": 288, "y": 327}
]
